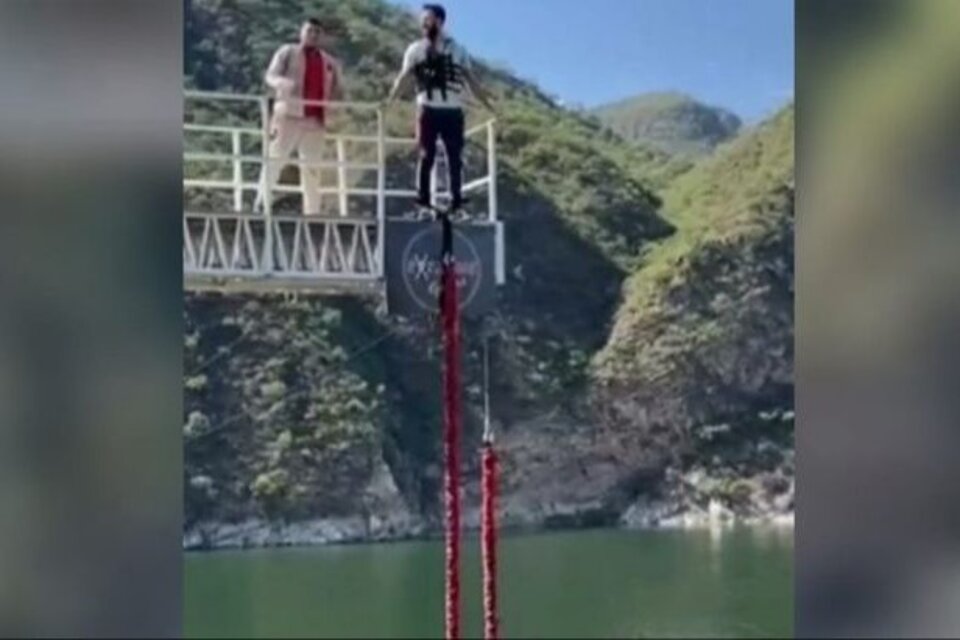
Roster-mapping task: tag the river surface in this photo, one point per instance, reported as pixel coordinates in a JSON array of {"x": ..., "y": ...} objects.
[{"x": 737, "y": 583}]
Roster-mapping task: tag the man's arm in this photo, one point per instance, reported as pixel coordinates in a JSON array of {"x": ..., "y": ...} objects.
[
  {"x": 399, "y": 84},
  {"x": 477, "y": 89},
  {"x": 336, "y": 88},
  {"x": 403, "y": 78},
  {"x": 274, "y": 77}
]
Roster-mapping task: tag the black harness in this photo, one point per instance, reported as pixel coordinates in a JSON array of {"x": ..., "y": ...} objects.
[{"x": 438, "y": 72}]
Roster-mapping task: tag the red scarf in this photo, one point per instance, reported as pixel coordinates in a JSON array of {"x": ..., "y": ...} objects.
[{"x": 314, "y": 82}]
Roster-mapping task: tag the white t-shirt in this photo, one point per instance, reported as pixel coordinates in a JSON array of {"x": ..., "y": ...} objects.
[{"x": 439, "y": 73}]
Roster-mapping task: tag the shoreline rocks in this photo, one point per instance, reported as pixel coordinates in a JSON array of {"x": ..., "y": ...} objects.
[{"x": 261, "y": 534}]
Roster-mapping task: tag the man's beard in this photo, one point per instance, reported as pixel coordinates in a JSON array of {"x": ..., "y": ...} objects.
[{"x": 432, "y": 32}]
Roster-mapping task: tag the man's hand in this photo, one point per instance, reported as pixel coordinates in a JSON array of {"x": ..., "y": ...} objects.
[
  {"x": 484, "y": 99},
  {"x": 480, "y": 93},
  {"x": 399, "y": 84},
  {"x": 285, "y": 86}
]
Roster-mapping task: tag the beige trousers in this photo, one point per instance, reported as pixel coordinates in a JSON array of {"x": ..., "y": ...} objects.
[{"x": 305, "y": 136}]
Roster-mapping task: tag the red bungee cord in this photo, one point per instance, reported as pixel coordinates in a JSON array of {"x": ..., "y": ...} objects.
[{"x": 450, "y": 315}]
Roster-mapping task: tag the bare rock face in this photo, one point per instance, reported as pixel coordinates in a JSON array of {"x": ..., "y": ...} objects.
[
  {"x": 388, "y": 517},
  {"x": 559, "y": 472}
]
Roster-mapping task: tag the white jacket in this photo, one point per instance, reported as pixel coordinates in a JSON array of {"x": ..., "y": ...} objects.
[{"x": 285, "y": 77}]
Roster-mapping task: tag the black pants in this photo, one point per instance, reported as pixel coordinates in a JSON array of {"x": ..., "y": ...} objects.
[{"x": 448, "y": 124}]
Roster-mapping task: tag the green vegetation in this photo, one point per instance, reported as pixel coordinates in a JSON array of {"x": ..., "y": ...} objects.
[
  {"x": 704, "y": 333},
  {"x": 742, "y": 193},
  {"x": 671, "y": 122},
  {"x": 284, "y": 421}
]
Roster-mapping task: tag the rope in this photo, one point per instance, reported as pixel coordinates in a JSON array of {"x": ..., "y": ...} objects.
[
  {"x": 488, "y": 509},
  {"x": 449, "y": 310},
  {"x": 487, "y": 429},
  {"x": 488, "y": 537},
  {"x": 224, "y": 351}
]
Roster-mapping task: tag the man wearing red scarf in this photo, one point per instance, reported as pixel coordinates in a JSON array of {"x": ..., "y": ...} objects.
[{"x": 301, "y": 72}]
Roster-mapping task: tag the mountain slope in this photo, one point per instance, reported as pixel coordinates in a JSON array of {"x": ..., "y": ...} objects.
[
  {"x": 690, "y": 408},
  {"x": 671, "y": 122},
  {"x": 700, "y": 359}
]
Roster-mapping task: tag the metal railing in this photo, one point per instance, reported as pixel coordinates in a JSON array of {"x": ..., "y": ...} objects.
[{"x": 243, "y": 242}]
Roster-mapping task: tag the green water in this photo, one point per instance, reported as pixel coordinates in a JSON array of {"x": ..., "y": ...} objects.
[{"x": 581, "y": 584}]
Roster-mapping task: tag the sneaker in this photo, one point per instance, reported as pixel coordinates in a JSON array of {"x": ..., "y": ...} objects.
[
  {"x": 426, "y": 213},
  {"x": 422, "y": 210},
  {"x": 458, "y": 214}
]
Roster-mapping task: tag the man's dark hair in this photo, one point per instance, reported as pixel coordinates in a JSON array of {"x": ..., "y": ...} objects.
[
  {"x": 437, "y": 10},
  {"x": 313, "y": 22}
]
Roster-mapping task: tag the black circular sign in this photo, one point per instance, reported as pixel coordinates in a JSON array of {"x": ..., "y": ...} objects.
[{"x": 421, "y": 268}]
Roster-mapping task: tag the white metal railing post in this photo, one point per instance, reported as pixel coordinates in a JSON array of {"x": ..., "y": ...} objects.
[
  {"x": 342, "y": 176},
  {"x": 237, "y": 171},
  {"x": 266, "y": 265},
  {"x": 500, "y": 264},
  {"x": 381, "y": 192},
  {"x": 492, "y": 169},
  {"x": 435, "y": 179},
  {"x": 500, "y": 250}
]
